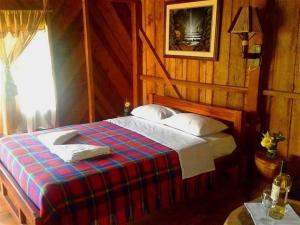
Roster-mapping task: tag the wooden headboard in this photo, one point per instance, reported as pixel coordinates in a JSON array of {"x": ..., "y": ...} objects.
[{"x": 235, "y": 117}]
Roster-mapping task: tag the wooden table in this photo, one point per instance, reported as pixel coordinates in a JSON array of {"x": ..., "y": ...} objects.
[{"x": 240, "y": 215}]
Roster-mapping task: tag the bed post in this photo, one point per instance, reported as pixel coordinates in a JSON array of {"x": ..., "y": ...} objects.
[{"x": 137, "y": 61}]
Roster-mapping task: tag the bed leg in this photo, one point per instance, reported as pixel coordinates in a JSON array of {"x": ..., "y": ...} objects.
[
  {"x": 3, "y": 190},
  {"x": 22, "y": 217},
  {"x": 212, "y": 184},
  {"x": 228, "y": 176}
]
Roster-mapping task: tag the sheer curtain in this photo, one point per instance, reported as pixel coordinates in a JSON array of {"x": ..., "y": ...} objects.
[
  {"x": 25, "y": 72},
  {"x": 32, "y": 73}
]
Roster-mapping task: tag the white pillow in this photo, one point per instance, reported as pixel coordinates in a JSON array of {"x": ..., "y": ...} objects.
[
  {"x": 195, "y": 124},
  {"x": 153, "y": 112}
]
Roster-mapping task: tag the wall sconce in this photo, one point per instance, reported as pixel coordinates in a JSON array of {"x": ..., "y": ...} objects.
[{"x": 246, "y": 24}]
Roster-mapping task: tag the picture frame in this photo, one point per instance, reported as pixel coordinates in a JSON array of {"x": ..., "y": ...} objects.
[{"x": 192, "y": 29}]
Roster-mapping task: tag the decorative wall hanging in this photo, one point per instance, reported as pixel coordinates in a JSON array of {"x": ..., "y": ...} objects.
[{"x": 192, "y": 29}]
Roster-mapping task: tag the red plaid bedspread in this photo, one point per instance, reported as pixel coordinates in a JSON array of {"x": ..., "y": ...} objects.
[{"x": 140, "y": 176}]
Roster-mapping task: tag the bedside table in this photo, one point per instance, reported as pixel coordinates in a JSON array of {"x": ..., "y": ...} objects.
[
  {"x": 268, "y": 168},
  {"x": 241, "y": 216}
]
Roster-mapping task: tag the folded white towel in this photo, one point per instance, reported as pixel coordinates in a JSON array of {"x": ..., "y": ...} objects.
[
  {"x": 77, "y": 152},
  {"x": 57, "y": 137},
  {"x": 70, "y": 152}
]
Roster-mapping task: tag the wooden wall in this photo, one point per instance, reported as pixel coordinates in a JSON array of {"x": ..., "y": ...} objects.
[
  {"x": 111, "y": 54},
  {"x": 230, "y": 69},
  {"x": 67, "y": 44},
  {"x": 111, "y": 50},
  {"x": 281, "y": 76},
  {"x": 279, "y": 70}
]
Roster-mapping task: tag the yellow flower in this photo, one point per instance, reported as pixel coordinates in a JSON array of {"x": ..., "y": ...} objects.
[
  {"x": 267, "y": 141},
  {"x": 127, "y": 104}
]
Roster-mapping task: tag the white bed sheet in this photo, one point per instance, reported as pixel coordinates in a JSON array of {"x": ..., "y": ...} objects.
[
  {"x": 221, "y": 144},
  {"x": 196, "y": 155}
]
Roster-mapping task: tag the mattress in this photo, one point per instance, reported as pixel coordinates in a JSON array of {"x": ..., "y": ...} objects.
[
  {"x": 196, "y": 154},
  {"x": 221, "y": 144}
]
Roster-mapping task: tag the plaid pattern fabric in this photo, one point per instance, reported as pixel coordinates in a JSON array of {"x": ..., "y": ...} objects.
[{"x": 140, "y": 176}]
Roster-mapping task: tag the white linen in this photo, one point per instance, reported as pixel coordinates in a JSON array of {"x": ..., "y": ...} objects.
[
  {"x": 195, "y": 124},
  {"x": 194, "y": 155},
  {"x": 153, "y": 112},
  {"x": 57, "y": 137},
  {"x": 77, "y": 152},
  {"x": 56, "y": 140},
  {"x": 221, "y": 144},
  {"x": 258, "y": 215}
]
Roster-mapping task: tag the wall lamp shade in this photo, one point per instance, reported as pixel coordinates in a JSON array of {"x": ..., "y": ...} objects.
[{"x": 246, "y": 24}]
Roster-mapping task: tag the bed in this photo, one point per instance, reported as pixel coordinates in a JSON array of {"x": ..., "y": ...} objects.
[{"x": 141, "y": 176}]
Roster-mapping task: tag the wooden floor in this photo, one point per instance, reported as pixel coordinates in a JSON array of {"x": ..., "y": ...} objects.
[{"x": 209, "y": 210}]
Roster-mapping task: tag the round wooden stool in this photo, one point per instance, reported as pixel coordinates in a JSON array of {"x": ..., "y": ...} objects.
[{"x": 240, "y": 215}]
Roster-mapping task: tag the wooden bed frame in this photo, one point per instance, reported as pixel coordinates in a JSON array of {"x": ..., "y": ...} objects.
[
  {"x": 233, "y": 118},
  {"x": 23, "y": 209}
]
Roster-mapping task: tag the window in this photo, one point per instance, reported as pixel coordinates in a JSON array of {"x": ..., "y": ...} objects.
[{"x": 32, "y": 73}]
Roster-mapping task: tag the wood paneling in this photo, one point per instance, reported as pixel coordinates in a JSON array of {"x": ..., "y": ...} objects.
[
  {"x": 280, "y": 66},
  {"x": 67, "y": 41},
  {"x": 111, "y": 59},
  {"x": 282, "y": 111},
  {"x": 112, "y": 55},
  {"x": 230, "y": 69}
]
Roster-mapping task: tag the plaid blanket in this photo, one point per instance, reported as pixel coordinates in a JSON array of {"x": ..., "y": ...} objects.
[{"x": 140, "y": 176}]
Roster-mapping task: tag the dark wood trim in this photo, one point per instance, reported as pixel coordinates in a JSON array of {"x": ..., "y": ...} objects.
[
  {"x": 282, "y": 94},
  {"x": 195, "y": 84},
  {"x": 137, "y": 56},
  {"x": 166, "y": 75},
  {"x": 88, "y": 61}
]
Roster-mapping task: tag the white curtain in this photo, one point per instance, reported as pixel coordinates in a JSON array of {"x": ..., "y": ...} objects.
[{"x": 32, "y": 74}]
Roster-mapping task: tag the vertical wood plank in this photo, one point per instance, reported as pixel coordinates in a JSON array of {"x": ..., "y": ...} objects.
[
  {"x": 184, "y": 77},
  {"x": 172, "y": 71},
  {"x": 136, "y": 52},
  {"x": 150, "y": 32},
  {"x": 237, "y": 65},
  {"x": 209, "y": 80},
  {"x": 159, "y": 32},
  {"x": 221, "y": 71},
  {"x": 286, "y": 39},
  {"x": 178, "y": 72},
  {"x": 202, "y": 78},
  {"x": 294, "y": 140},
  {"x": 88, "y": 61},
  {"x": 193, "y": 75},
  {"x": 145, "y": 59}
]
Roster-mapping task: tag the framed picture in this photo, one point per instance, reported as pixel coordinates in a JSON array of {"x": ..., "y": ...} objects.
[{"x": 192, "y": 29}]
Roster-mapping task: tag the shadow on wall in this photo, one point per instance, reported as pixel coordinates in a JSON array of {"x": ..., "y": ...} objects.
[{"x": 293, "y": 170}]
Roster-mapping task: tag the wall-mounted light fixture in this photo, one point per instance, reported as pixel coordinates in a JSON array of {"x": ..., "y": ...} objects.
[{"x": 246, "y": 24}]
